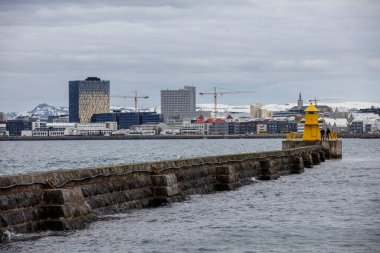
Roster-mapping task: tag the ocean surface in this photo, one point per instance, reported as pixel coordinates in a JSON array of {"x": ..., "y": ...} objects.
[
  {"x": 334, "y": 207},
  {"x": 31, "y": 156}
]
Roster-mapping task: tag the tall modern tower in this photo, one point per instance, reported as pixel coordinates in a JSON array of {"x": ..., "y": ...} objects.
[
  {"x": 88, "y": 97},
  {"x": 178, "y": 102}
]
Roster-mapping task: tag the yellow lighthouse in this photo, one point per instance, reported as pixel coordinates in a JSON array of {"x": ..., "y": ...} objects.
[{"x": 311, "y": 131}]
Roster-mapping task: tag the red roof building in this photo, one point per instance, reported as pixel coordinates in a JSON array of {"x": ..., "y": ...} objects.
[{"x": 201, "y": 119}]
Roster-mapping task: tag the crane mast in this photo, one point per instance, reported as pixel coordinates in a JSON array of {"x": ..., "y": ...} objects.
[
  {"x": 217, "y": 93},
  {"x": 135, "y": 97}
]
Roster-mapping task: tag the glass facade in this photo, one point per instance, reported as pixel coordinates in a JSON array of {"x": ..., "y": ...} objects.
[
  {"x": 276, "y": 127},
  {"x": 127, "y": 119},
  {"x": 16, "y": 126},
  {"x": 88, "y": 97}
]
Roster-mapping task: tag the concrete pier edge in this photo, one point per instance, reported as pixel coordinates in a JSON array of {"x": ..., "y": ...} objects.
[{"x": 70, "y": 199}]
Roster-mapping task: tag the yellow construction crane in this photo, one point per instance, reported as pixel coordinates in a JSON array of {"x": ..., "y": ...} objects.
[
  {"x": 135, "y": 97},
  {"x": 217, "y": 93}
]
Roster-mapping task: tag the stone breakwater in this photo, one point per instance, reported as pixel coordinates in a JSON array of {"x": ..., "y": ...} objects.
[{"x": 70, "y": 199}]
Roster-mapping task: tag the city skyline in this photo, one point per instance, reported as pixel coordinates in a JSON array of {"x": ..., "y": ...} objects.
[{"x": 323, "y": 49}]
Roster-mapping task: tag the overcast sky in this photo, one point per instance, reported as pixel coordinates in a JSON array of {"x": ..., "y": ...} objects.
[{"x": 323, "y": 48}]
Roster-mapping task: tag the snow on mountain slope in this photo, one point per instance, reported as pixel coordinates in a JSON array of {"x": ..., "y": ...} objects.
[
  {"x": 283, "y": 107},
  {"x": 44, "y": 110}
]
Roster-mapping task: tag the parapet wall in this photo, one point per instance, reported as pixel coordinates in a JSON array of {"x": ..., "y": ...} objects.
[{"x": 69, "y": 199}]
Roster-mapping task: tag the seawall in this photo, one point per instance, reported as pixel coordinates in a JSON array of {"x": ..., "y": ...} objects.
[
  {"x": 70, "y": 199},
  {"x": 170, "y": 137},
  {"x": 137, "y": 137}
]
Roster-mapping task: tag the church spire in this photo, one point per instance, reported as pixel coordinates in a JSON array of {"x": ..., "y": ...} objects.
[{"x": 300, "y": 102}]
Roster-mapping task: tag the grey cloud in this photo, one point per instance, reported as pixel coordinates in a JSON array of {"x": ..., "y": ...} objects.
[{"x": 274, "y": 47}]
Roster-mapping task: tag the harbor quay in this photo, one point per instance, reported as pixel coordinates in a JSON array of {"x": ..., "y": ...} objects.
[
  {"x": 70, "y": 199},
  {"x": 167, "y": 137}
]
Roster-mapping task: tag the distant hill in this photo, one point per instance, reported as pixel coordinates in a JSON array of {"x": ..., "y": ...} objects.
[
  {"x": 283, "y": 107},
  {"x": 44, "y": 110}
]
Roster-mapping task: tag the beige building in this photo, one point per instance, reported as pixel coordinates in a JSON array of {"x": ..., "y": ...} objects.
[
  {"x": 256, "y": 111},
  {"x": 2, "y": 116},
  {"x": 88, "y": 97}
]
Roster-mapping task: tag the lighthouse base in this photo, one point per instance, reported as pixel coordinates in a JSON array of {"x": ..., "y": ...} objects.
[{"x": 331, "y": 148}]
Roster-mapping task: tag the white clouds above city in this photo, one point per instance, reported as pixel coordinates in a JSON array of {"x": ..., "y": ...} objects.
[{"x": 277, "y": 48}]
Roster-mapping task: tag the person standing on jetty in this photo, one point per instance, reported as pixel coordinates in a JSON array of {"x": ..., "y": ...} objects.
[
  {"x": 328, "y": 133},
  {"x": 323, "y": 134}
]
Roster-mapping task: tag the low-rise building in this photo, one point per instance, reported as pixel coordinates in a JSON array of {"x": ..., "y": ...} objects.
[
  {"x": 106, "y": 128},
  {"x": 219, "y": 127},
  {"x": 357, "y": 126},
  {"x": 127, "y": 119},
  {"x": 16, "y": 126},
  {"x": 2, "y": 117},
  {"x": 371, "y": 110},
  {"x": 149, "y": 128},
  {"x": 277, "y": 127},
  {"x": 249, "y": 127},
  {"x": 58, "y": 119},
  {"x": 3, "y": 129},
  {"x": 48, "y": 131},
  {"x": 336, "y": 125},
  {"x": 261, "y": 128}
]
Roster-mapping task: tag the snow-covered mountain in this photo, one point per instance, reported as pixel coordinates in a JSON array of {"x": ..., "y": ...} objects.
[
  {"x": 42, "y": 111},
  {"x": 283, "y": 107}
]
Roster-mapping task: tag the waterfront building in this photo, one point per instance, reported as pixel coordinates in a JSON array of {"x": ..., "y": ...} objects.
[
  {"x": 363, "y": 122},
  {"x": 244, "y": 127},
  {"x": 357, "y": 126},
  {"x": 180, "y": 103},
  {"x": 148, "y": 128},
  {"x": 106, "y": 128},
  {"x": 2, "y": 117},
  {"x": 219, "y": 127},
  {"x": 201, "y": 124},
  {"x": 229, "y": 118},
  {"x": 278, "y": 127},
  {"x": 370, "y": 110},
  {"x": 16, "y": 126},
  {"x": 58, "y": 119},
  {"x": 127, "y": 119},
  {"x": 88, "y": 97},
  {"x": 26, "y": 133},
  {"x": 194, "y": 128},
  {"x": 3, "y": 129},
  {"x": 49, "y": 131},
  {"x": 261, "y": 128},
  {"x": 366, "y": 125},
  {"x": 60, "y": 125},
  {"x": 340, "y": 113},
  {"x": 38, "y": 124},
  {"x": 335, "y": 125}
]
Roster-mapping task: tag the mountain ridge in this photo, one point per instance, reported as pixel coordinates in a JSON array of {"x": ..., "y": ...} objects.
[{"x": 43, "y": 110}]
